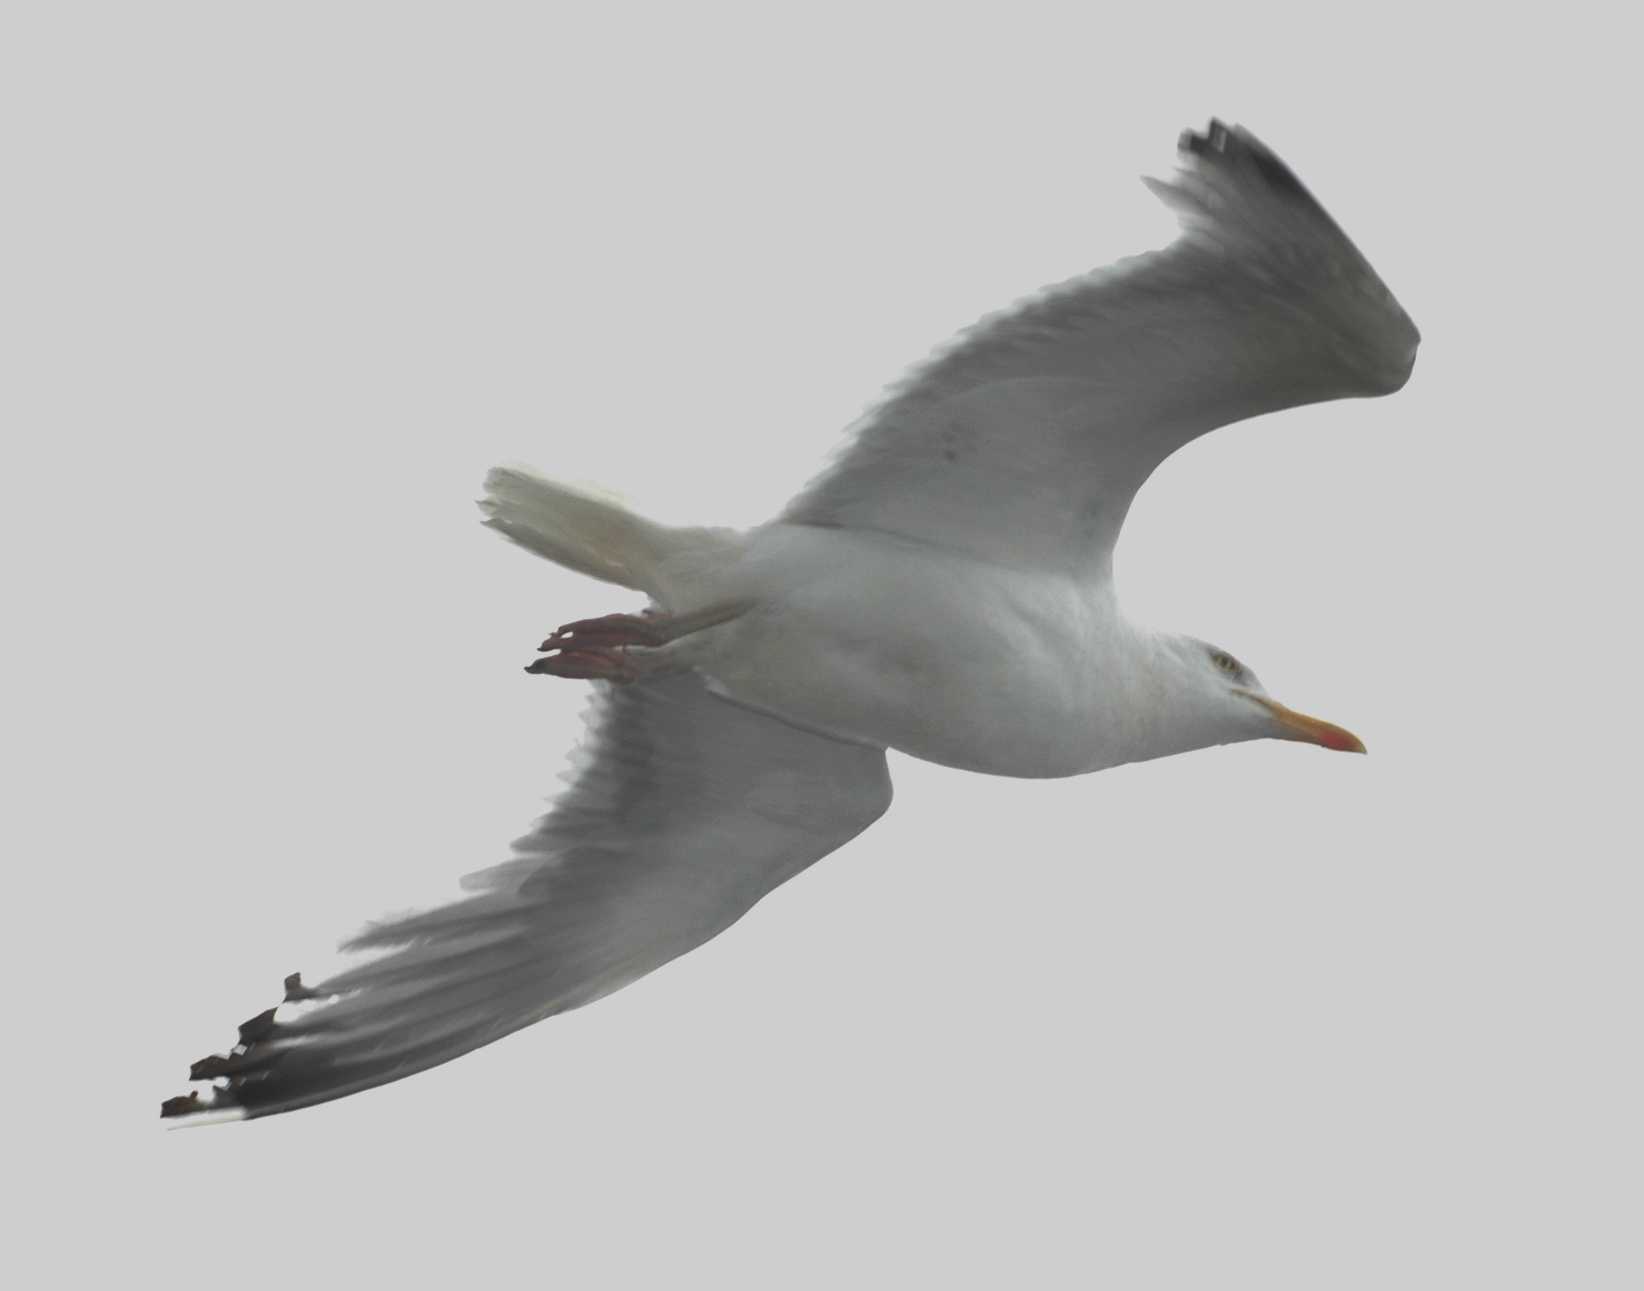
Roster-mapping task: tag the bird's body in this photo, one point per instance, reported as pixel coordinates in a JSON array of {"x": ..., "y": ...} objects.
[
  {"x": 945, "y": 589},
  {"x": 939, "y": 655}
]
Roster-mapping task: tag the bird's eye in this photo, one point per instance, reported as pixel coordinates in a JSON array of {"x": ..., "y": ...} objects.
[{"x": 1226, "y": 662}]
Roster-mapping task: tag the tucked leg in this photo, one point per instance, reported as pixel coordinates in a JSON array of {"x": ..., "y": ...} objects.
[
  {"x": 613, "y": 664},
  {"x": 648, "y": 629},
  {"x": 621, "y": 647}
]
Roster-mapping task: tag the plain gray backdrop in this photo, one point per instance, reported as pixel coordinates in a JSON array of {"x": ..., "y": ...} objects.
[{"x": 281, "y": 282}]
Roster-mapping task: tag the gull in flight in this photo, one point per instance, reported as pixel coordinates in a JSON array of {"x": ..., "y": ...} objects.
[{"x": 943, "y": 588}]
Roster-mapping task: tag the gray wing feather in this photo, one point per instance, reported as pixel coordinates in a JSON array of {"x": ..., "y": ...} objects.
[
  {"x": 1025, "y": 440},
  {"x": 683, "y": 810}
]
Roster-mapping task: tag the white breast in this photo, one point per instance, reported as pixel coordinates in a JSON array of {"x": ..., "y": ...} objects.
[{"x": 897, "y": 644}]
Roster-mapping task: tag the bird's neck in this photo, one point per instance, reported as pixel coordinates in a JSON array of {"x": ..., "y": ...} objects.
[{"x": 1145, "y": 697}]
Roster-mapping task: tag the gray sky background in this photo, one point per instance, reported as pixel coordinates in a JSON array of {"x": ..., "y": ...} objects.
[{"x": 281, "y": 283}]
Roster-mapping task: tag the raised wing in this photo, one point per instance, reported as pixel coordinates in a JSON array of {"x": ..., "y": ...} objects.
[
  {"x": 1025, "y": 441},
  {"x": 683, "y": 811}
]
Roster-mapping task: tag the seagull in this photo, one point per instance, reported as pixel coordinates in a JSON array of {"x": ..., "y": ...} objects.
[{"x": 944, "y": 588}]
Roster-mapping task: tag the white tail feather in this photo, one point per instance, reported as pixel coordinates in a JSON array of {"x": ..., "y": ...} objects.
[{"x": 576, "y": 528}]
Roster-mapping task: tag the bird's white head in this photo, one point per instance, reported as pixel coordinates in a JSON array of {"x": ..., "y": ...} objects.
[{"x": 1229, "y": 704}]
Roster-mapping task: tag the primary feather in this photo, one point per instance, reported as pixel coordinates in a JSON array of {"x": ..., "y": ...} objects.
[{"x": 683, "y": 811}]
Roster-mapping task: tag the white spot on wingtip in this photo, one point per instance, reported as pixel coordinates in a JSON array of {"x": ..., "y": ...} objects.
[{"x": 209, "y": 1116}]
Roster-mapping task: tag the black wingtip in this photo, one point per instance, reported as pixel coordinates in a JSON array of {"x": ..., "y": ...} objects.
[
  {"x": 182, "y": 1105},
  {"x": 295, "y": 991},
  {"x": 259, "y": 1050},
  {"x": 257, "y": 1028},
  {"x": 1214, "y": 139},
  {"x": 210, "y": 1067},
  {"x": 1238, "y": 144},
  {"x": 1275, "y": 172}
]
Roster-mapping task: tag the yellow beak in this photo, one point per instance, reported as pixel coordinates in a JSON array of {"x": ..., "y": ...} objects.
[{"x": 1312, "y": 729}]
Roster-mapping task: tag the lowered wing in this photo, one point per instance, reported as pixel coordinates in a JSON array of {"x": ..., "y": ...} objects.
[{"x": 683, "y": 811}]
